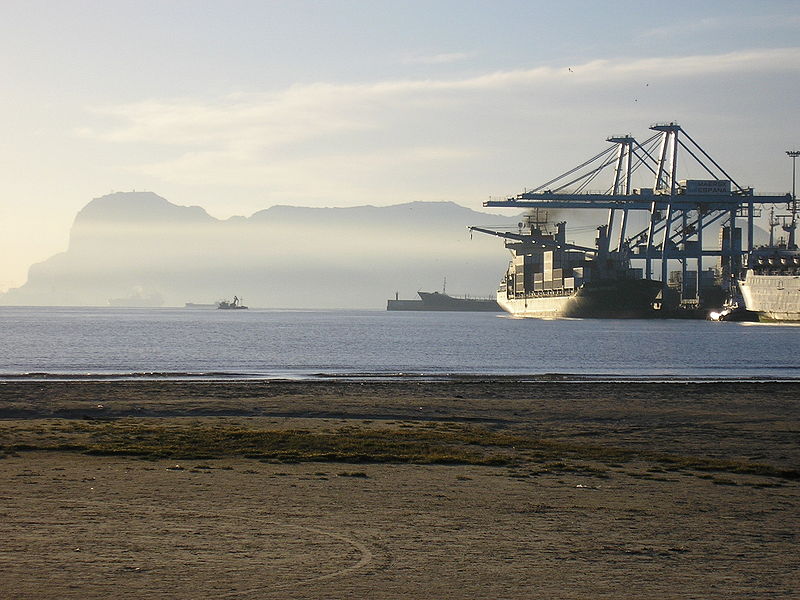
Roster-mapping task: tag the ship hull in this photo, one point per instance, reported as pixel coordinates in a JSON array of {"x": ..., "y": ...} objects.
[
  {"x": 624, "y": 299},
  {"x": 773, "y": 297}
]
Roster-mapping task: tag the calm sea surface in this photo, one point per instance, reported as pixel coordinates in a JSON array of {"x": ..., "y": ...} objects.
[{"x": 299, "y": 344}]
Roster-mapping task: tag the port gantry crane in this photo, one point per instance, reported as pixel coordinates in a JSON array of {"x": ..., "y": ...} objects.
[{"x": 679, "y": 211}]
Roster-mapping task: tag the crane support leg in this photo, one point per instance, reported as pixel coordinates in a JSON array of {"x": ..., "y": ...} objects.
[
  {"x": 665, "y": 251},
  {"x": 699, "y": 247}
]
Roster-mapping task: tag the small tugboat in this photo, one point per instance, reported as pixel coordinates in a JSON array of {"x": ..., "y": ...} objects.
[
  {"x": 734, "y": 310},
  {"x": 236, "y": 304}
]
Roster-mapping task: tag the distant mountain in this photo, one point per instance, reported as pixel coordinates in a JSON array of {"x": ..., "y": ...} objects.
[
  {"x": 419, "y": 214},
  {"x": 138, "y": 249},
  {"x": 139, "y": 207}
]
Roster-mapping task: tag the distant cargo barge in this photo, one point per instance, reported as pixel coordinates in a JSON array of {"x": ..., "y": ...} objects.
[{"x": 436, "y": 301}]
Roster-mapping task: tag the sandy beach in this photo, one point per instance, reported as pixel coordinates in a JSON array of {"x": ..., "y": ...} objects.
[{"x": 394, "y": 489}]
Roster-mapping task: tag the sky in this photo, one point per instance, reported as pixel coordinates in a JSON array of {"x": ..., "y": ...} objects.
[{"x": 239, "y": 105}]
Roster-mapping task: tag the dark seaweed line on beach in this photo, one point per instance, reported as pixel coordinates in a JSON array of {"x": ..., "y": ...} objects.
[{"x": 429, "y": 443}]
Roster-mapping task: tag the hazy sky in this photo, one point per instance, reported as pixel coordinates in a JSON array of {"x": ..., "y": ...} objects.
[{"x": 238, "y": 105}]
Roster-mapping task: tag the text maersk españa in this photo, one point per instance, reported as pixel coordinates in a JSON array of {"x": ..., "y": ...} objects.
[{"x": 705, "y": 187}]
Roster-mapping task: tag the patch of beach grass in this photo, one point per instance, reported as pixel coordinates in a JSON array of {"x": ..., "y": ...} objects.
[
  {"x": 360, "y": 474},
  {"x": 416, "y": 443},
  {"x": 203, "y": 440}
]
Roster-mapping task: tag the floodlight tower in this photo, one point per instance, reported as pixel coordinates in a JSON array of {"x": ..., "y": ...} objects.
[{"x": 793, "y": 154}]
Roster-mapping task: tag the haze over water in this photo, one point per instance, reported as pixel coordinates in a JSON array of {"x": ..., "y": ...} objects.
[{"x": 300, "y": 344}]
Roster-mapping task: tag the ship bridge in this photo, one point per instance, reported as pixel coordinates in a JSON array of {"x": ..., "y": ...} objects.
[{"x": 675, "y": 216}]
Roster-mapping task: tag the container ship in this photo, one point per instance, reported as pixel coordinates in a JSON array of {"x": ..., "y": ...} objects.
[{"x": 550, "y": 278}]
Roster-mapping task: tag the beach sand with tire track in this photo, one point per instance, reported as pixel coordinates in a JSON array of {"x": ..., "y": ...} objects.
[{"x": 484, "y": 489}]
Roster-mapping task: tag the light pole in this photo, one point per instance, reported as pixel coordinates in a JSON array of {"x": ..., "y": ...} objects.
[{"x": 793, "y": 154}]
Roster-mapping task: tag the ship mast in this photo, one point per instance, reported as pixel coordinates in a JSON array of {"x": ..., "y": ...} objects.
[{"x": 773, "y": 223}]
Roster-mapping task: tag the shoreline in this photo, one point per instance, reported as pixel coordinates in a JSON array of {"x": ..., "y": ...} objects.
[{"x": 223, "y": 377}]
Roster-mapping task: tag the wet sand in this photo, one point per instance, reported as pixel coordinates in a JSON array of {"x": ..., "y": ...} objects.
[{"x": 79, "y": 526}]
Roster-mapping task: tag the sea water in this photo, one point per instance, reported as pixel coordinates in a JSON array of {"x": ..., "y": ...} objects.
[{"x": 40, "y": 342}]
